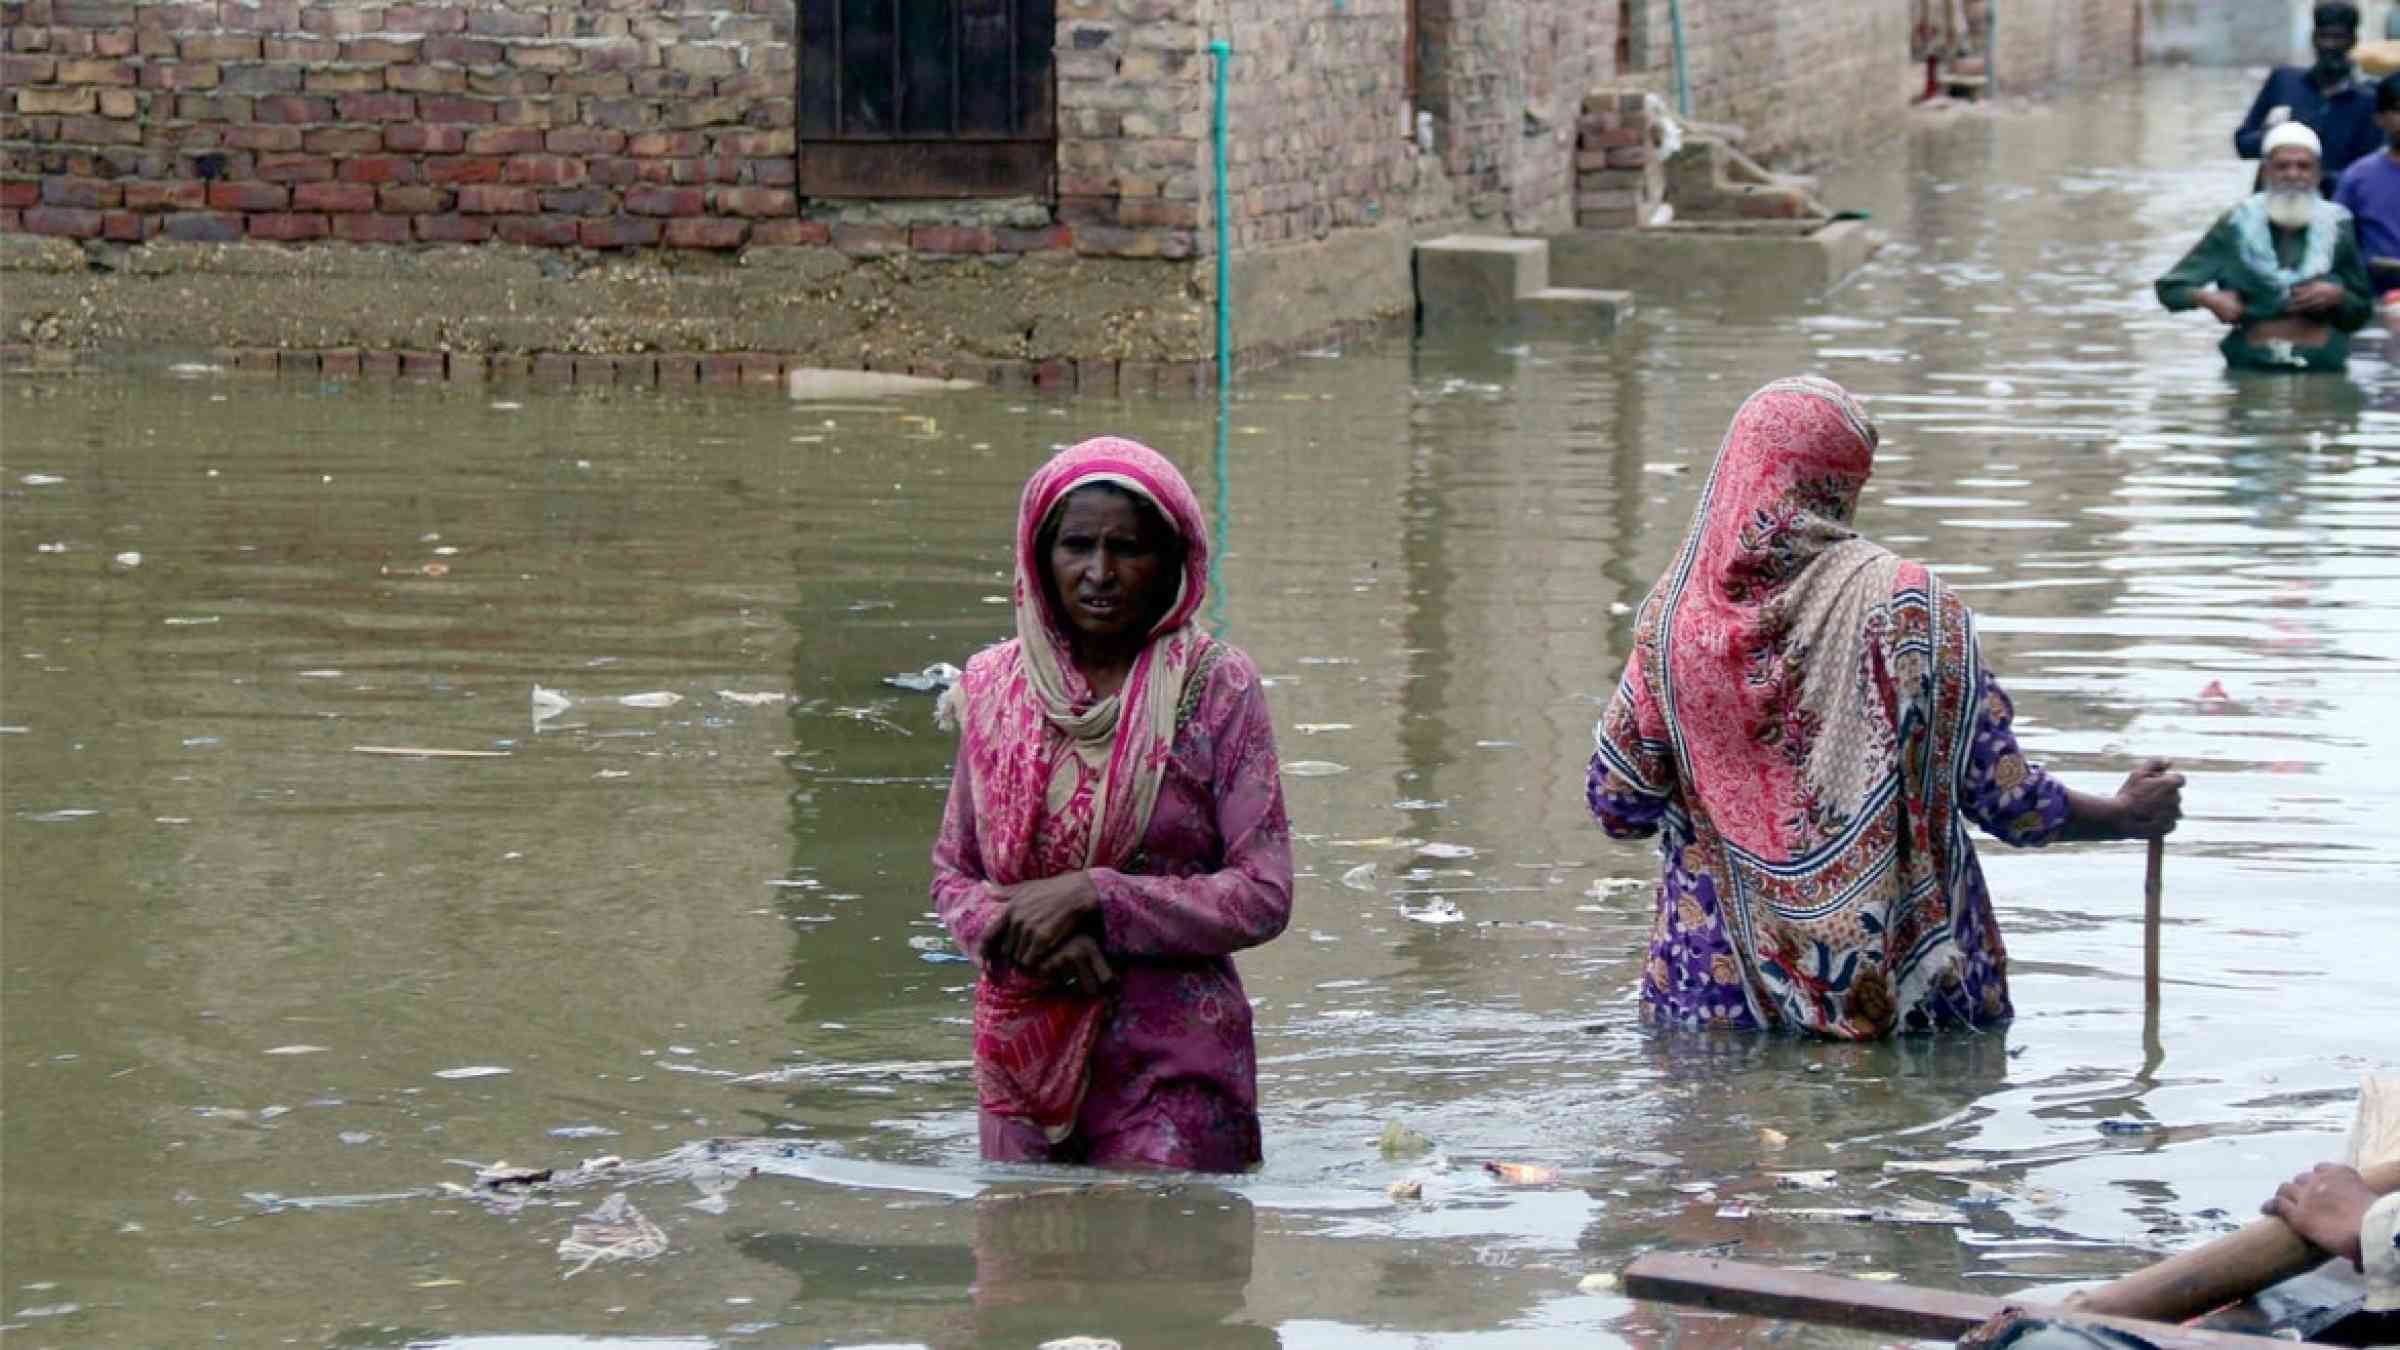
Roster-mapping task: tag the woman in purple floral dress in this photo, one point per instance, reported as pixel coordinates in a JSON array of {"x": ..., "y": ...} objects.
[{"x": 1806, "y": 723}]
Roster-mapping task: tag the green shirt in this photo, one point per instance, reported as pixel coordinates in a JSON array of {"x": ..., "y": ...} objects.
[{"x": 2217, "y": 261}]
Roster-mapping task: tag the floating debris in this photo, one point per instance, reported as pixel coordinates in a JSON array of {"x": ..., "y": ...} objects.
[
  {"x": 1360, "y": 878},
  {"x": 297, "y": 1050},
  {"x": 1314, "y": 768},
  {"x": 473, "y": 1071},
  {"x": 40, "y": 479},
  {"x": 1320, "y": 728},
  {"x": 612, "y": 1230},
  {"x": 1437, "y": 913},
  {"x": 504, "y": 1173},
  {"x": 581, "y": 1132},
  {"x": 548, "y": 703},
  {"x": 762, "y": 699},
  {"x": 1599, "y": 1282},
  {"x": 1399, "y": 1141},
  {"x": 1522, "y": 1174},
  {"x": 1769, "y": 1137},
  {"x": 129, "y": 558},
  {"x": 426, "y": 752},
  {"x": 1405, "y": 1192},
  {"x": 1445, "y": 851},
  {"x": 932, "y": 679},
  {"x": 1819, "y": 1180},
  {"x": 656, "y": 698}
]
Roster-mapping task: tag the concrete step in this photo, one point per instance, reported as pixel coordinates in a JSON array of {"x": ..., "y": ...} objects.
[
  {"x": 1577, "y": 309},
  {"x": 1478, "y": 278}
]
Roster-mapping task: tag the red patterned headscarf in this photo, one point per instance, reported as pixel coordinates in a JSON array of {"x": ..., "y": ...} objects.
[{"x": 1030, "y": 729}]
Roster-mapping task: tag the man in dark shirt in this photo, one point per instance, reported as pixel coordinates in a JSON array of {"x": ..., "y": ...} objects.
[{"x": 2324, "y": 96}]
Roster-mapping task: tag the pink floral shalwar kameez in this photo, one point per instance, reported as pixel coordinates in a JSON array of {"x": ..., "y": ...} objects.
[{"x": 1169, "y": 1072}]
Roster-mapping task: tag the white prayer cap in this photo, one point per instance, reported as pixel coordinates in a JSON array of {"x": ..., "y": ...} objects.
[{"x": 2294, "y": 132}]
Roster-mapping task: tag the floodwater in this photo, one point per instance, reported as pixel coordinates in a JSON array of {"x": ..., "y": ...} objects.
[{"x": 244, "y": 962}]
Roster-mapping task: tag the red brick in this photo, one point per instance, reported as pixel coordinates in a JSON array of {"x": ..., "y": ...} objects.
[
  {"x": 507, "y": 23},
  {"x": 379, "y": 365},
  {"x": 706, "y": 232},
  {"x": 773, "y": 172},
  {"x": 621, "y": 172},
  {"x": 584, "y": 141},
  {"x": 1051, "y": 240},
  {"x": 299, "y": 363},
  {"x": 270, "y": 138},
  {"x": 97, "y": 72},
  {"x": 82, "y": 192},
  {"x": 951, "y": 239},
  {"x": 423, "y": 365},
  {"x": 98, "y": 131},
  {"x": 511, "y": 366},
  {"x": 720, "y": 368},
  {"x": 343, "y": 19},
  {"x": 532, "y": 112},
  {"x": 292, "y": 108},
  {"x": 648, "y": 200},
  {"x": 595, "y": 370},
  {"x": 70, "y": 222},
  {"x": 453, "y": 108},
  {"x": 288, "y": 226},
  {"x": 464, "y": 169},
  {"x": 678, "y": 368},
  {"x": 262, "y": 16},
  {"x": 653, "y": 144},
  {"x": 761, "y": 202},
  {"x": 546, "y": 170},
  {"x": 753, "y": 144},
  {"x": 113, "y": 43},
  {"x": 761, "y": 368},
  {"x": 19, "y": 193},
  {"x": 619, "y": 232},
  {"x": 504, "y": 141},
  {"x": 179, "y": 75},
  {"x": 791, "y": 232},
  {"x": 127, "y": 227},
  {"x": 540, "y": 231},
  {"x": 377, "y": 107},
  {"x": 639, "y": 368},
  {"x": 488, "y": 199},
  {"x": 202, "y": 227},
  {"x": 870, "y": 240},
  {"x": 409, "y": 199},
  {"x": 467, "y": 366},
  {"x": 219, "y": 46},
  {"x": 1054, "y": 375},
  {"x": 178, "y": 195},
  {"x": 342, "y": 140},
  {"x": 340, "y": 362},
  {"x": 421, "y": 139},
  {"x": 464, "y": 51},
  {"x": 17, "y": 70},
  {"x": 425, "y": 19},
  {"x": 334, "y": 197},
  {"x": 295, "y": 168},
  {"x": 378, "y": 169},
  {"x": 424, "y": 80},
  {"x": 453, "y": 229},
  {"x": 343, "y": 82},
  {"x": 381, "y": 51},
  {"x": 553, "y": 368},
  {"x": 372, "y": 229},
  {"x": 248, "y": 196},
  {"x": 708, "y": 169},
  {"x": 300, "y": 51}
]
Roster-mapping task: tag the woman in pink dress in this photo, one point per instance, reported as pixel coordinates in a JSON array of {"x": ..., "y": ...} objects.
[{"x": 1115, "y": 832}]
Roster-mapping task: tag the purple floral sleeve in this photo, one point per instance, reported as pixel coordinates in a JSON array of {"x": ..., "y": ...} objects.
[
  {"x": 1631, "y": 777},
  {"x": 1999, "y": 788}
]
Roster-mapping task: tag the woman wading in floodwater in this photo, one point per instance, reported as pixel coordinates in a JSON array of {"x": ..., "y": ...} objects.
[
  {"x": 1804, "y": 719},
  {"x": 1115, "y": 832}
]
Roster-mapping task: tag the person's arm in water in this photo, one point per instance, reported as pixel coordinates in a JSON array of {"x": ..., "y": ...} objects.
[
  {"x": 2146, "y": 806},
  {"x": 1631, "y": 777},
  {"x": 2254, "y": 127},
  {"x": 2342, "y": 297},
  {"x": 2192, "y": 282},
  {"x": 2331, "y": 1207},
  {"x": 2022, "y": 805}
]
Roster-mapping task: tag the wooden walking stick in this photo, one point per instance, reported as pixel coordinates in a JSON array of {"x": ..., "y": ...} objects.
[{"x": 2150, "y": 910}]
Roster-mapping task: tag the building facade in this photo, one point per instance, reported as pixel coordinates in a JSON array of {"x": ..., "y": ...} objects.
[{"x": 993, "y": 188}]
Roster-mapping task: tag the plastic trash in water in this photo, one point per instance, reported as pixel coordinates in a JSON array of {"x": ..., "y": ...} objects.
[
  {"x": 612, "y": 1230},
  {"x": 1399, "y": 1141},
  {"x": 548, "y": 703},
  {"x": 472, "y": 1071},
  {"x": 934, "y": 950},
  {"x": 1436, "y": 912},
  {"x": 128, "y": 559},
  {"x": 656, "y": 698},
  {"x": 1360, "y": 878},
  {"x": 1522, "y": 1174},
  {"x": 748, "y": 699},
  {"x": 1445, "y": 851},
  {"x": 1313, "y": 768},
  {"x": 932, "y": 679}
]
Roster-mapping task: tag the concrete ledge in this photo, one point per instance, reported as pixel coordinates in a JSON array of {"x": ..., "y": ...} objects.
[
  {"x": 1464, "y": 278},
  {"x": 1569, "y": 310},
  {"x": 1775, "y": 260}
]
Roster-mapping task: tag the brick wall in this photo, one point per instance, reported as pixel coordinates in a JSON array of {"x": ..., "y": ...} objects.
[
  {"x": 2045, "y": 42},
  {"x": 1133, "y": 120},
  {"x": 1315, "y": 100},
  {"x": 602, "y": 125}
]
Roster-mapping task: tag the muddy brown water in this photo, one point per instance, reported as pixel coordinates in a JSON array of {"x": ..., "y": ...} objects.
[{"x": 239, "y": 957}]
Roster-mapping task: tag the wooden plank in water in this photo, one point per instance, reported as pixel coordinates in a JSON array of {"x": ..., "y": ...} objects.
[
  {"x": 1896, "y": 1309},
  {"x": 426, "y": 752}
]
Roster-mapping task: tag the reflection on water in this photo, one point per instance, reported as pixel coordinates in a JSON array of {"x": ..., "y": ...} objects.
[{"x": 240, "y": 956}]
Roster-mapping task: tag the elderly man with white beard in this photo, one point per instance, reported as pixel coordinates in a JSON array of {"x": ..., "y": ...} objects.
[{"x": 2281, "y": 270}]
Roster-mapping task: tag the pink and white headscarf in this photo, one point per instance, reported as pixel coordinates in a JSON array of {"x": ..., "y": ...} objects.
[{"x": 1029, "y": 728}]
